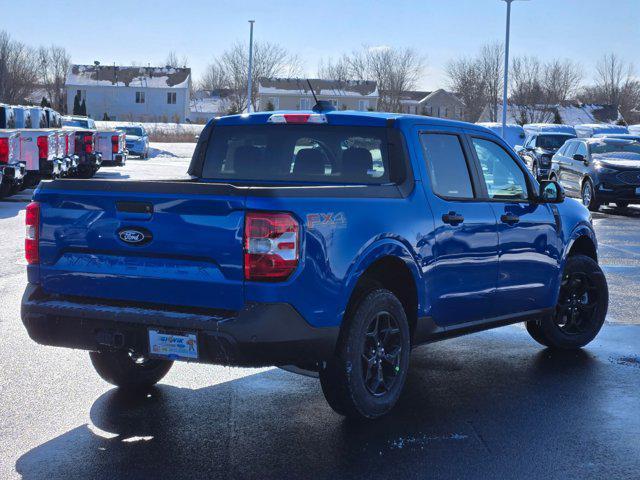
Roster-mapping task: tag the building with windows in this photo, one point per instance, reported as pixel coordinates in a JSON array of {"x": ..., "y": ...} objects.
[
  {"x": 439, "y": 103},
  {"x": 295, "y": 94},
  {"x": 139, "y": 94}
]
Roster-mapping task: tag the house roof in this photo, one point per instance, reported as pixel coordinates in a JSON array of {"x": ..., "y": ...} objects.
[
  {"x": 439, "y": 92},
  {"x": 413, "y": 95},
  {"x": 334, "y": 88},
  {"x": 115, "y": 76},
  {"x": 568, "y": 113}
]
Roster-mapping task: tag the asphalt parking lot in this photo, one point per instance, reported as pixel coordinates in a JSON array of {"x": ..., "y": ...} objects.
[{"x": 486, "y": 405}]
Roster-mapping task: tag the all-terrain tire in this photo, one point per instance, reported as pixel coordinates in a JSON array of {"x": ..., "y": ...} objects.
[
  {"x": 347, "y": 379},
  {"x": 589, "y": 301},
  {"x": 119, "y": 369}
]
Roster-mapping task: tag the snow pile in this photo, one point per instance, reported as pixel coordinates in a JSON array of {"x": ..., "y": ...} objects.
[{"x": 161, "y": 132}]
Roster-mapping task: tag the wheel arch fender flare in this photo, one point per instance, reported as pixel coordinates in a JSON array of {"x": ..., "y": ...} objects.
[{"x": 371, "y": 253}]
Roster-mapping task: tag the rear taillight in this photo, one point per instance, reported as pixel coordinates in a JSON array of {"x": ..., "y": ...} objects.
[
  {"x": 271, "y": 246},
  {"x": 43, "y": 147},
  {"x": 114, "y": 143},
  {"x": 88, "y": 143},
  {"x": 66, "y": 144},
  {"x": 4, "y": 150},
  {"x": 32, "y": 234}
]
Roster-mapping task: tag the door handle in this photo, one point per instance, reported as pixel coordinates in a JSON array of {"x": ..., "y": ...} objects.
[
  {"x": 510, "y": 218},
  {"x": 452, "y": 218}
]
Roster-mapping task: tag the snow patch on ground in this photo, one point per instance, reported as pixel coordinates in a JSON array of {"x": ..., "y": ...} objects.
[
  {"x": 171, "y": 150},
  {"x": 422, "y": 440}
]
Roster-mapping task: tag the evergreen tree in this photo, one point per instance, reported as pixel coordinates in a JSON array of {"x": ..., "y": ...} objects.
[
  {"x": 76, "y": 104},
  {"x": 83, "y": 108},
  {"x": 45, "y": 102}
]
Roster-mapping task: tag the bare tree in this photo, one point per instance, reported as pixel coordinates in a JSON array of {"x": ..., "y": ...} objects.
[
  {"x": 615, "y": 85},
  {"x": 53, "y": 65},
  {"x": 466, "y": 78},
  {"x": 528, "y": 95},
  {"x": 230, "y": 70},
  {"x": 18, "y": 70},
  {"x": 491, "y": 59},
  {"x": 561, "y": 80},
  {"x": 172, "y": 60},
  {"x": 334, "y": 70},
  {"x": 395, "y": 71}
]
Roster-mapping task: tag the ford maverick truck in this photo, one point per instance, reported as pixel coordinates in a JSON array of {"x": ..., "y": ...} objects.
[{"x": 333, "y": 241}]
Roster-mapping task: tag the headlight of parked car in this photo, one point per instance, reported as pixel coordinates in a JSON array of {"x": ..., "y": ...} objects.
[{"x": 602, "y": 169}]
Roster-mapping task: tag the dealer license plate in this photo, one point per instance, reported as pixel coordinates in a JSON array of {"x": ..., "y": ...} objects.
[{"x": 173, "y": 345}]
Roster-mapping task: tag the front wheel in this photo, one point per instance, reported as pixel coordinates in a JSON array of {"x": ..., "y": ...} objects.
[
  {"x": 366, "y": 375},
  {"x": 581, "y": 308},
  {"x": 127, "y": 370},
  {"x": 589, "y": 196}
]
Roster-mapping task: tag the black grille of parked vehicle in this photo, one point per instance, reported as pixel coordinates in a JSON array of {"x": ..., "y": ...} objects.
[{"x": 630, "y": 178}]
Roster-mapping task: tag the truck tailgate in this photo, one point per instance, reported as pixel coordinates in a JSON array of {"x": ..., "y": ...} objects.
[{"x": 175, "y": 243}]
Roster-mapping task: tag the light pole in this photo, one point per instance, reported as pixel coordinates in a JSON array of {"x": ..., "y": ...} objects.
[
  {"x": 506, "y": 68},
  {"x": 251, "y": 22}
]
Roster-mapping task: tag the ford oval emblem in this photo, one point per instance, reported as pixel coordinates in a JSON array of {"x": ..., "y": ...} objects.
[{"x": 135, "y": 236}]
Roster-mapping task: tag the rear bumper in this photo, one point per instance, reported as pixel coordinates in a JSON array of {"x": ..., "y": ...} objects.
[
  {"x": 119, "y": 160},
  {"x": 90, "y": 160},
  {"x": 13, "y": 173},
  {"x": 258, "y": 335}
]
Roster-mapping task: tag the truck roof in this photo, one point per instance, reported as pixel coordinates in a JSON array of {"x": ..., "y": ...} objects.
[{"x": 350, "y": 117}]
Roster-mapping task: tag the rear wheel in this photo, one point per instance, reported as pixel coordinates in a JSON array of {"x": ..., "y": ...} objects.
[
  {"x": 589, "y": 196},
  {"x": 366, "y": 375},
  {"x": 129, "y": 371},
  {"x": 5, "y": 189},
  {"x": 581, "y": 309}
]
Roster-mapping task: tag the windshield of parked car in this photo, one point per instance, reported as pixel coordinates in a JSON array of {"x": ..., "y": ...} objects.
[
  {"x": 137, "y": 131},
  {"x": 75, "y": 123},
  {"x": 299, "y": 153},
  {"x": 552, "y": 142},
  {"x": 615, "y": 147}
]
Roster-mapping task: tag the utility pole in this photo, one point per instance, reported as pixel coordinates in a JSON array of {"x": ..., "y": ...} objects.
[{"x": 251, "y": 22}]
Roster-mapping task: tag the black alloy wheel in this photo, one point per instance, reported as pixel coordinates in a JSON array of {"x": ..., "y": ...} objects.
[
  {"x": 576, "y": 304},
  {"x": 381, "y": 354}
]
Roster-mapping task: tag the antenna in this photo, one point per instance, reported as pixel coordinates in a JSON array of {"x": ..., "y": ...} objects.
[
  {"x": 321, "y": 105},
  {"x": 315, "y": 99}
]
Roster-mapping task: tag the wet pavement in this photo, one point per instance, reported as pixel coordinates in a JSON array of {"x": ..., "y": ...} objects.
[{"x": 493, "y": 404}]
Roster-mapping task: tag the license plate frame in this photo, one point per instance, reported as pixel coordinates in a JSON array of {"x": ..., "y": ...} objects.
[{"x": 173, "y": 345}]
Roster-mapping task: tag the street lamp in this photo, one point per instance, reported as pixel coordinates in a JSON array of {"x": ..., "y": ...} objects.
[
  {"x": 506, "y": 69},
  {"x": 251, "y": 22}
]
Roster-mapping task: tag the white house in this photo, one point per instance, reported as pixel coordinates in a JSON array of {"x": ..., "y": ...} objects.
[
  {"x": 142, "y": 94},
  {"x": 295, "y": 94}
]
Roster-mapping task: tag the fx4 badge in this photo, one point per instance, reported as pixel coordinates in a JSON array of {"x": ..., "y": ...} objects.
[{"x": 329, "y": 219}]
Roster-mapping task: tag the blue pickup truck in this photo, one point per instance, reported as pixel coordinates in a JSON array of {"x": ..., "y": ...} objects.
[{"x": 331, "y": 241}]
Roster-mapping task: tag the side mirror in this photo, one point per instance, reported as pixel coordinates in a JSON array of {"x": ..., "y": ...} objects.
[
  {"x": 580, "y": 158},
  {"x": 551, "y": 192}
]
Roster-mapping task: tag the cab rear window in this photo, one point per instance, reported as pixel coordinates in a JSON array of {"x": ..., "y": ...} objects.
[{"x": 300, "y": 153}]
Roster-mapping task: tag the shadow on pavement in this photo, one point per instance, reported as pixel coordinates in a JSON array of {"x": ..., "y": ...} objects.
[{"x": 483, "y": 406}]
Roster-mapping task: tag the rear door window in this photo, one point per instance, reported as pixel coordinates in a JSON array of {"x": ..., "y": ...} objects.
[
  {"x": 300, "y": 153},
  {"x": 447, "y": 165}
]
